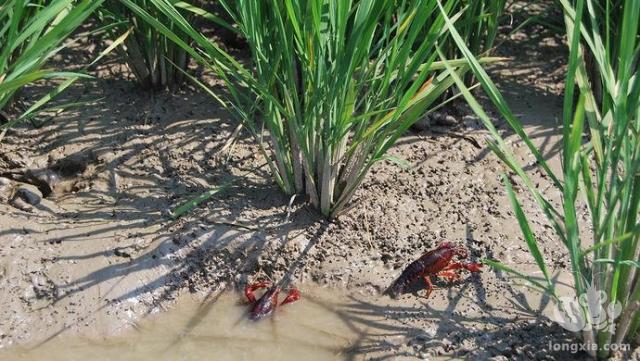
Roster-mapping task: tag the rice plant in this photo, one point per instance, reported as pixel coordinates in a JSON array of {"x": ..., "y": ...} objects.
[
  {"x": 146, "y": 52},
  {"x": 155, "y": 61},
  {"x": 478, "y": 27},
  {"x": 31, "y": 32},
  {"x": 331, "y": 85},
  {"x": 600, "y": 169}
]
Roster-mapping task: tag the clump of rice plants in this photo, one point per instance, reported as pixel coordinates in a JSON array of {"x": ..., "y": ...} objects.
[
  {"x": 600, "y": 169},
  {"x": 331, "y": 85},
  {"x": 33, "y": 31},
  {"x": 155, "y": 61},
  {"x": 148, "y": 54}
]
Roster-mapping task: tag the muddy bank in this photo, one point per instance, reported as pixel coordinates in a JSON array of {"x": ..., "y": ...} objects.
[{"x": 99, "y": 253}]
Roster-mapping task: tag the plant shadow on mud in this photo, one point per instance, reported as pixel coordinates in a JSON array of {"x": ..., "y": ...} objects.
[
  {"x": 532, "y": 77},
  {"x": 387, "y": 331},
  {"x": 198, "y": 266}
]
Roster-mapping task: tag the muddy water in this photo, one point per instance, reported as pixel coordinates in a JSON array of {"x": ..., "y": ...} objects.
[{"x": 214, "y": 329}]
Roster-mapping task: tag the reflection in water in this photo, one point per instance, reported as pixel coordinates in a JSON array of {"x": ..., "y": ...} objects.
[{"x": 218, "y": 330}]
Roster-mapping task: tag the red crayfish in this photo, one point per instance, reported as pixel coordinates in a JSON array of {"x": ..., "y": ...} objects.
[
  {"x": 436, "y": 262},
  {"x": 266, "y": 304}
]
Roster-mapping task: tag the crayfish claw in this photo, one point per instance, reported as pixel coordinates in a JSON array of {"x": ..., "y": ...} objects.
[
  {"x": 292, "y": 296},
  {"x": 248, "y": 290},
  {"x": 472, "y": 266}
]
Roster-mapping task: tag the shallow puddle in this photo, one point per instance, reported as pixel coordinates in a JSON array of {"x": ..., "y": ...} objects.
[{"x": 216, "y": 329}]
